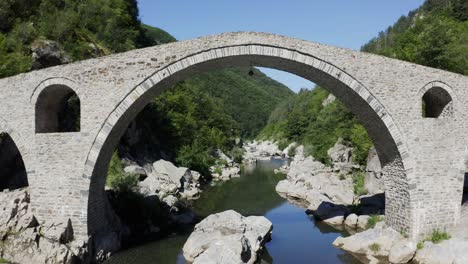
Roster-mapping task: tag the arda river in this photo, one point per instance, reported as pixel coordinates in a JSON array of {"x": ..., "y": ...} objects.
[{"x": 296, "y": 238}]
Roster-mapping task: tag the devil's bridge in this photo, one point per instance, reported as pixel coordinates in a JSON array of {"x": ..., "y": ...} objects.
[{"x": 423, "y": 154}]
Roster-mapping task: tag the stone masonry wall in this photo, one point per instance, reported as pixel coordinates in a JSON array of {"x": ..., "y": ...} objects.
[{"x": 64, "y": 169}]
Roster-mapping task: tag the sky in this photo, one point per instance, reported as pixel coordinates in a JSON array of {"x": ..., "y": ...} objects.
[{"x": 342, "y": 23}]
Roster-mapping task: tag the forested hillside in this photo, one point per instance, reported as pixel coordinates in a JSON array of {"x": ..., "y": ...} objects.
[
  {"x": 207, "y": 111},
  {"x": 435, "y": 35}
]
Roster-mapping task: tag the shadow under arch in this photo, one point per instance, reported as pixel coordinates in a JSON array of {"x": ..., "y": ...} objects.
[
  {"x": 378, "y": 122},
  {"x": 13, "y": 174}
]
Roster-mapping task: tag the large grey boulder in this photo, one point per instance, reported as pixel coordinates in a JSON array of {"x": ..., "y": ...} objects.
[
  {"x": 340, "y": 152},
  {"x": 330, "y": 213},
  {"x": 164, "y": 178},
  {"x": 402, "y": 252},
  {"x": 374, "y": 181},
  {"x": 375, "y": 242},
  {"x": 454, "y": 250},
  {"x": 351, "y": 220},
  {"x": 227, "y": 237}
]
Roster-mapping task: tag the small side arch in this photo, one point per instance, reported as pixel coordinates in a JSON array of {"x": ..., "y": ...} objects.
[
  {"x": 13, "y": 173},
  {"x": 57, "y": 106},
  {"x": 437, "y": 100}
]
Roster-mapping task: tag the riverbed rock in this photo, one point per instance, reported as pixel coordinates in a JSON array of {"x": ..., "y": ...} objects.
[
  {"x": 374, "y": 182},
  {"x": 341, "y": 156},
  {"x": 164, "y": 178},
  {"x": 375, "y": 242},
  {"x": 227, "y": 237},
  {"x": 351, "y": 221},
  {"x": 402, "y": 251},
  {"x": 330, "y": 213},
  {"x": 261, "y": 150},
  {"x": 135, "y": 169},
  {"x": 362, "y": 221},
  {"x": 454, "y": 250}
]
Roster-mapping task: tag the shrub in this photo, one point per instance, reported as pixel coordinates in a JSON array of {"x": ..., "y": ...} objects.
[
  {"x": 292, "y": 150},
  {"x": 438, "y": 236},
  {"x": 420, "y": 245},
  {"x": 237, "y": 154},
  {"x": 373, "y": 220},
  {"x": 119, "y": 180},
  {"x": 282, "y": 144},
  {"x": 375, "y": 247},
  {"x": 358, "y": 183}
]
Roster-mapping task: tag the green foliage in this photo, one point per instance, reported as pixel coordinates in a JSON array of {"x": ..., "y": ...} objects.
[
  {"x": 434, "y": 35},
  {"x": 248, "y": 99},
  {"x": 283, "y": 143},
  {"x": 302, "y": 118},
  {"x": 160, "y": 36},
  {"x": 2, "y": 260},
  {"x": 373, "y": 220},
  {"x": 438, "y": 236},
  {"x": 119, "y": 180},
  {"x": 359, "y": 183},
  {"x": 420, "y": 245},
  {"x": 237, "y": 154},
  {"x": 375, "y": 247},
  {"x": 292, "y": 150},
  {"x": 361, "y": 143},
  {"x": 112, "y": 26}
]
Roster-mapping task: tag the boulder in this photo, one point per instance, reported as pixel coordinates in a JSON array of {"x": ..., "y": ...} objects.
[
  {"x": 227, "y": 237},
  {"x": 330, "y": 99},
  {"x": 330, "y": 212},
  {"x": 402, "y": 252},
  {"x": 351, "y": 220},
  {"x": 340, "y": 153},
  {"x": 135, "y": 169},
  {"x": 374, "y": 182},
  {"x": 375, "y": 242},
  {"x": 454, "y": 250},
  {"x": 362, "y": 221},
  {"x": 47, "y": 53}
]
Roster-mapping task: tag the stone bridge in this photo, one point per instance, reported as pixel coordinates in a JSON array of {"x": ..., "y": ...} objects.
[{"x": 415, "y": 116}]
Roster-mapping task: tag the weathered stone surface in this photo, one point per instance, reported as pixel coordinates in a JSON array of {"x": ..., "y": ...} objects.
[
  {"x": 402, "y": 251},
  {"x": 383, "y": 240},
  {"x": 227, "y": 237},
  {"x": 374, "y": 181},
  {"x": 351, "y": 220},
  {"x": 454, "y": 250},
  {"x": 362, "y": 221},
  {"x": 46, "y": 53},
  {"x": 331, "y": 213},
  {"x": 26, "y": 240},
  {"x": 313, "y": 182}
]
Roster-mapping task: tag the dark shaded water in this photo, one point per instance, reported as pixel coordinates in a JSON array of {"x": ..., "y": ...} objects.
[{"x": 297, "y": 238}]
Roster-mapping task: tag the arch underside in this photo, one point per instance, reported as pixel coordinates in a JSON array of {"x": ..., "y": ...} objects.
[{"x": 373, "y": 115}]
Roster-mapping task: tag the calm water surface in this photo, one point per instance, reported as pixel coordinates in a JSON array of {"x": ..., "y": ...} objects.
[{"x": 297, "y": 238}]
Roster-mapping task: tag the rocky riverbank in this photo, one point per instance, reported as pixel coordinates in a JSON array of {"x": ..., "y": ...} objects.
[
  {"x": 228, "y": 238},
  {"x": 334, "y": 193}
]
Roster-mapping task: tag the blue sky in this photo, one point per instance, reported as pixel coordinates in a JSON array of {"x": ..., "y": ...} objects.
[{"x": 342, "y": 23}]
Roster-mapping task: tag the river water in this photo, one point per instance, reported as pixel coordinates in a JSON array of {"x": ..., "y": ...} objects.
[{"x": 296, "y": 238}]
